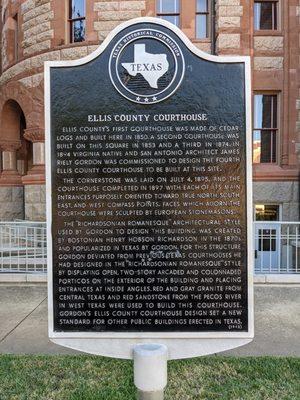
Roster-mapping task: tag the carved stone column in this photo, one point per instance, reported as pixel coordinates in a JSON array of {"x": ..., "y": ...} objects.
[
  {"x": 34, "y": 181},
  {"x": 10, "y": 175},
  {"x": 11, "y": 188},
  {"x": 36, "y": 175}
]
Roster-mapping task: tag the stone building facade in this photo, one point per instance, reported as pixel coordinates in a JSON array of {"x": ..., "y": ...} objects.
[{"x": 33, "y": 31}]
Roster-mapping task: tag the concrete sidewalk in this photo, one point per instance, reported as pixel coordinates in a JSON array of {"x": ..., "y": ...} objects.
[{"x": 23, "y": 321}]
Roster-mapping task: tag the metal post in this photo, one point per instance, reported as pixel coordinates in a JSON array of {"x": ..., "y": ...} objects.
[
  {"x": 150, "y": 395},
  {"x": 150, "y": 370}
]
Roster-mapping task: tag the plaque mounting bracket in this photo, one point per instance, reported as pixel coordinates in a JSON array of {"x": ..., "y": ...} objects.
[{"x": 150, "y": 370}]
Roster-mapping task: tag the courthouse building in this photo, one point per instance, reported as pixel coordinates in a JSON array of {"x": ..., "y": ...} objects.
[{"x": 33, "y": 31}]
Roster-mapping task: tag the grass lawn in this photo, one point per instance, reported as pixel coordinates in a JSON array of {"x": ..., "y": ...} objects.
[{"x": 99, "y": 378}]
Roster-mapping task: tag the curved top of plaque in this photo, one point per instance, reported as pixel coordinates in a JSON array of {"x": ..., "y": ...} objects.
[{"x": 170, "y": 64}]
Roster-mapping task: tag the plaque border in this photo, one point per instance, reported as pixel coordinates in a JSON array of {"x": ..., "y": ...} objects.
[{"x": 110, "y": 344}]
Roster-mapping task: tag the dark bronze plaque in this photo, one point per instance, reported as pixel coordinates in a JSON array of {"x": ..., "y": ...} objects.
[{"x": 148, "y": 177}]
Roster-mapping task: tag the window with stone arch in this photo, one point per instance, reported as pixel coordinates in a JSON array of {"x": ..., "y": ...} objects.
[{"x": 77, "y": 12}]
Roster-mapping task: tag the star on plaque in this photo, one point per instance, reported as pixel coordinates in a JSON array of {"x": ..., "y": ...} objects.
[
  {"x": 154, "y": 98},
  {"x": 138, "y": 98},
  {"x": 146, "y": 100}
]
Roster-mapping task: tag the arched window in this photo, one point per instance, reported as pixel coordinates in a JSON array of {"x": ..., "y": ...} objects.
[{"x": 77, "y": 20}]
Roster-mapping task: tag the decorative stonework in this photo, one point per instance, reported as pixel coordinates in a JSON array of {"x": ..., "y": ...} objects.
[
  {"x": 37, "y": 32},
  {"x": 268, "y": 43},
  {"x": 228, "y": 28},
  {"x": 32, "y": 81},
  {"x": 229, "y": 41},
  {"x": 112, "y": 13},
  {"x": 35, "y": 134},
  {"x": 26, "y": 66},
  {"x": 268, "y": 63},
  {"x": 229, "y": 22},
  {"x": 10, "y": 175},
  {"x": 37, "y": 62},
  {"x": 36, "y": 174},
  {"x": 35, "y": 202},
  {"x": 10, "y": 145},
  {"x": 73, "y": 53},
  {"x": 4, "y": 51},
  {"x": 230, "y": 11},
  {"x": 4, "y": 35},
  {"x": 11, "y": 203}
]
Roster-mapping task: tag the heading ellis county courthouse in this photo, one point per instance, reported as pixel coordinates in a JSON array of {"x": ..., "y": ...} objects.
[{"x": 34, "y": 31}]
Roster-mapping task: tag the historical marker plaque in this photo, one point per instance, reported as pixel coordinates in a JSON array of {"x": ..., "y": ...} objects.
[{"x": 149, "y": 184}]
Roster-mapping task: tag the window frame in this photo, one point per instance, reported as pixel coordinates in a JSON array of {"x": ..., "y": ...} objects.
[
  {"x": 72, "y": 20},
  {"x": 276, "y": 129},
  {"x": 278, "y": 14},
  {"x": 177, "y": 14},
  {"x": 269, "y": 203},
  {"x": 16, "y": 37},
  {"x": 208, "y": 15}
]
